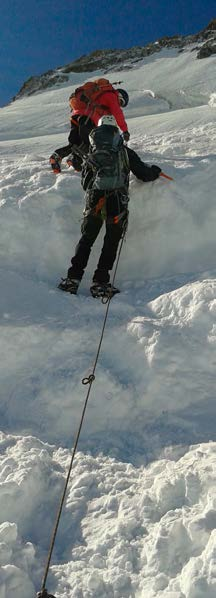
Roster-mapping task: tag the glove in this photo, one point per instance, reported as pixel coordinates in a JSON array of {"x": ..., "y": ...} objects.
[
  {"x": 55, "y": 161},
  {"x": 126, "y": 136},
  {"x": 44, "y": 594},
  {"x": 75, "y": 161},
  {"x": 155, "y": 172}
]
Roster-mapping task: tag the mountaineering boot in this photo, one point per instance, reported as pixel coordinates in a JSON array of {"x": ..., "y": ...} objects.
[
  {"x": 70, "y": 285},
  {"x": 103, "y": 289}
]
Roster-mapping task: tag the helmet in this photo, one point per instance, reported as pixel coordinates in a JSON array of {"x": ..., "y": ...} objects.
[
  {"x": 123, "y": 97},
  {"x": 107, "y": 119}
]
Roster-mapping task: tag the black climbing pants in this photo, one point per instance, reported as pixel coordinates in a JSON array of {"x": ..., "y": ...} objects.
[{"x": 90, "y": 229}]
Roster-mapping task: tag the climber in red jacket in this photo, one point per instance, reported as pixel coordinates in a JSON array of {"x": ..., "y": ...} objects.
[
  {"x": 108, "y": 102},
  {"x": 82, "y": 123}
]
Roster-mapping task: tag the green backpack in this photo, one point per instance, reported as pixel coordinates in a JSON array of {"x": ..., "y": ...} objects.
[{"x": 107, "y": 166}]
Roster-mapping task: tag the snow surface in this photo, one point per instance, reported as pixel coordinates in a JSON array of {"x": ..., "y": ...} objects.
[{"x": 140, "y": 513}]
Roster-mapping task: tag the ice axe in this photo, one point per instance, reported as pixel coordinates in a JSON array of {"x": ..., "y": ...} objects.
[{"x": 166, "y": 176}]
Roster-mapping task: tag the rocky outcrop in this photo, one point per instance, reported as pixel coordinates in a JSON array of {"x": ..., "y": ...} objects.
[
  {"x": 105, "y": 60},
  {"x": 35, "y": 84},
  {"x": 207, "y": 50},
  {"x": 208, "y": 36}
]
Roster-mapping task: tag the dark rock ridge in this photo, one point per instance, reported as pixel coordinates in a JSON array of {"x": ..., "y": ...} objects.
[{"x": 105, "y": 60}]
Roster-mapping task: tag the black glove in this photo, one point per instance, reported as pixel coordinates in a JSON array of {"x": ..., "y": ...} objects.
[
  {"x": 55, "y": 161},
  {"x": 155, "y": 172},
  {"x": 126, "y": 136},
  {"x": 75, "y": 161},
  {"x": 44, "y": 594}
]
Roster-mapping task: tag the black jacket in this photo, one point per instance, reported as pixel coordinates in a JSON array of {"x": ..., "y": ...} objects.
[{"x": 140, "y": 169}]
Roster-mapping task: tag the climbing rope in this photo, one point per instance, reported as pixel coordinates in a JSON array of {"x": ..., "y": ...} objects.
[{"x": 89, "y": 380}]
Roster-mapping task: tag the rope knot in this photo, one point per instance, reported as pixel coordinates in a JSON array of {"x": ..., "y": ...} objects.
[{"x": 88, "y": 380}]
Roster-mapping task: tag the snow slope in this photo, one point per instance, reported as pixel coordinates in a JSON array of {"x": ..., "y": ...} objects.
[{"x": 140, "y": 514}]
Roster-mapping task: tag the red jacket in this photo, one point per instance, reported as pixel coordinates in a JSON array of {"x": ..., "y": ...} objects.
[{"x": 109, "y": 104}]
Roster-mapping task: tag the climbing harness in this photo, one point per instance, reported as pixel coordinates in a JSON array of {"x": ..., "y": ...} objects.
[{"x": 88, "y": 380}]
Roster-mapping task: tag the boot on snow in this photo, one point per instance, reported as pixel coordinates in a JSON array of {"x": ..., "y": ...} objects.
[
  {"x": 103, "y": 289},
  {"x": 70, "y": 285}
]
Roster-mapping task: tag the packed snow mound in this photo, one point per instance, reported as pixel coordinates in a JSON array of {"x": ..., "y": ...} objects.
[
  {"x": 125, "y": 531},
  {"x": 19, "y": 497},
  {"x": 212, "y": 100},
  {"x": 169, "y": 336}
]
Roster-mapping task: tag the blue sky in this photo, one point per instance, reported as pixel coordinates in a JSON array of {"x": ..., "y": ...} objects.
[{"x": 37, "y": 35}]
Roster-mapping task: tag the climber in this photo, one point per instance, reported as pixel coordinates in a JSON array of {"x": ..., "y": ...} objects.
[
  {"x": 88, "y": 104},
  {"x": 105, "y": 179}
]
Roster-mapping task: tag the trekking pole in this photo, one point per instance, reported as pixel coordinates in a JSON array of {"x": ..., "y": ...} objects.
[{"x": 166, "y": 176}]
